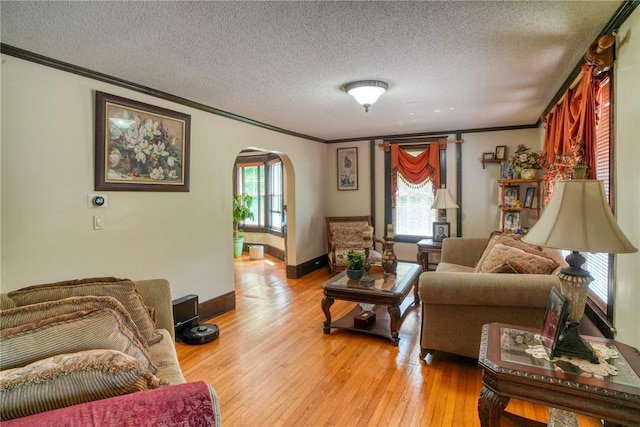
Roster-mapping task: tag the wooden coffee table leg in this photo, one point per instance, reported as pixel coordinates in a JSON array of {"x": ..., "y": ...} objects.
[
  {"x": 326, "y": 308},
  {"x": 491, "y": 407},
  {"x": 394, "y": 320}
]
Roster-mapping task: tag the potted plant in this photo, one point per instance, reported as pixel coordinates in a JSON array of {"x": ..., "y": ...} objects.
[
  {"x": 241, "y": 212},
  {"x": 355, "y": 265}
]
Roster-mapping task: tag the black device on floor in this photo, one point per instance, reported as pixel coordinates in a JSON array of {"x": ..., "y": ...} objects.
[{"x": 186, "y": 322}]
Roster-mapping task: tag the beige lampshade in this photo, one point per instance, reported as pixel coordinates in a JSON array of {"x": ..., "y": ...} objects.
[
  {"x": 578, "y": 218},
  {"x": 443, "y": 200}
]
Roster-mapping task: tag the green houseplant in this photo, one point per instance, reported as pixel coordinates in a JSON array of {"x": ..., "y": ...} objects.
[
  {"x": 241, "y": 212},
  {"x": 355, "y": 265}
]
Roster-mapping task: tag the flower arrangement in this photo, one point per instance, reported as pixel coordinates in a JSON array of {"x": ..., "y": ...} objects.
[
  {"x": 525, "y": 158},
  {"x": 143, "y": 149}
]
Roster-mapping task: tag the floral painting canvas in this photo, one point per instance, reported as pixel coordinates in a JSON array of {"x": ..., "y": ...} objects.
[{"x": 140, "y": 147}]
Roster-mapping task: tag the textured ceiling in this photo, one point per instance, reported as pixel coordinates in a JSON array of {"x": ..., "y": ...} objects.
[{"x": 449, "y": 65}]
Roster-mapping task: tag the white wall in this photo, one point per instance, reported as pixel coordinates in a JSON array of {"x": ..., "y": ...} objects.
[
  {"x": 47, "y": 173},
  {"x": 480, "y": 213},
  {"x": 627, "y": 134}
]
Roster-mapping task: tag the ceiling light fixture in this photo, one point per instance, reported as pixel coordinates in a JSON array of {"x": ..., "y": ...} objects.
[{"x": 366, "y": 92}]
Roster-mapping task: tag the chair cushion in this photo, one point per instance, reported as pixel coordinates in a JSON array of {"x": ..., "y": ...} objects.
[
  {"x": 375, "y": 257},
  {"x": 121, "y": 289},
  {"x": 346, "y": 235}
]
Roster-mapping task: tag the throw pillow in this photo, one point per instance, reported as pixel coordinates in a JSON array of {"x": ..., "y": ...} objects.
[
  {"x": 518, "y": 260},
  {"x": 121, "y": 289},
  {"x": 17, "y": 316},
  {"x": 70, "y": 333},
  {"x": 514, "y": 240},
  {"x": 70, "y": 379}
]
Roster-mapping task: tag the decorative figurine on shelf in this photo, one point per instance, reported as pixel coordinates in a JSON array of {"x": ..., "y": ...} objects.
[{"x": 517, "y": 204}]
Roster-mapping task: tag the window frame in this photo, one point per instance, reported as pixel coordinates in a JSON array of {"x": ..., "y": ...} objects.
[
  {"x": 388, "y": 212},
  {"x": 265, "y": 161}
]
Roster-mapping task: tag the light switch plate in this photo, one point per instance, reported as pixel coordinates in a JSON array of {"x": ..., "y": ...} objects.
[{"x": 97, "y": 222}]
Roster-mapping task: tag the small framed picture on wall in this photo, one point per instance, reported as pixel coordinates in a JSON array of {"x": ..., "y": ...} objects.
[
  {"x": 488, "y": 156},
  {"x": 347, "y": 168},
  {"x": 501, "y": 152}
]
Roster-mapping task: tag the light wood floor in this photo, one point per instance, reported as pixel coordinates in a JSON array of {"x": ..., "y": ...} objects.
[{"x": 273, "y": 366}]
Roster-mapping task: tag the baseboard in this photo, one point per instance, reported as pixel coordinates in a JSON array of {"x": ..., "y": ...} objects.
[
  {"x": 217, "y": 306},
  {"x": 297, "y": 271}
]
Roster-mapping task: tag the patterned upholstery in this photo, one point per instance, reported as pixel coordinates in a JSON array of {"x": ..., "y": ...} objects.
[{"x": 345, "y": 233}]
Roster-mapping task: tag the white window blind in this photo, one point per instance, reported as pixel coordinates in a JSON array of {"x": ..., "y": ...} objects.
[{"x": 598, "y": 264}]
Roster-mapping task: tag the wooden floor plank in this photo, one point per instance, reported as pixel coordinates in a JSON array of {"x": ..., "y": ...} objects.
[{"x": 273, "y": 366}]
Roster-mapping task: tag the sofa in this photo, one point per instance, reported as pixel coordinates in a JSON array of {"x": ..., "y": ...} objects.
[
  {"x": 97, "y": 351},
  {"x": 484, "y": 280}
]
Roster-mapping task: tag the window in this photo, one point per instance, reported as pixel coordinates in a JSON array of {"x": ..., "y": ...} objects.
[
  {"x": 414, "y": 173},
  {"x": 274, "y": 193},
  {"x": 261, "y": 178},
  {"x": 413, "y": 215}
]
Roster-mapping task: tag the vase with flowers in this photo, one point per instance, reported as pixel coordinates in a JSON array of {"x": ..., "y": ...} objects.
[{"x": 527, "y": 162}]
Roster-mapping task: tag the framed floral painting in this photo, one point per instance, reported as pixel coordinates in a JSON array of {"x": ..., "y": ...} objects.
[{"x": 140, "y": 147}]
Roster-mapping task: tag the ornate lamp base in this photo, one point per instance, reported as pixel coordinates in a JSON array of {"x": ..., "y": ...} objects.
[
  {"x": 574, "y": 284},
  {"x": 571, "y": 344}
]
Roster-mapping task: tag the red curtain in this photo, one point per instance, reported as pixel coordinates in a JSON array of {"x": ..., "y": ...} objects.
[
  {"x": 570, "y": 131},
  {"x": 415, "y": 170}
]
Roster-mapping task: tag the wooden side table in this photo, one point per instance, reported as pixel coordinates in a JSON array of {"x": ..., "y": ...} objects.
[
  {"x": 426, "y": 247},
  {"x": 508, "y": 371}
]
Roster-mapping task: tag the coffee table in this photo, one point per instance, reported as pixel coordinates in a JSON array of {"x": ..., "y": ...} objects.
[{"x": 388, "y": 293}]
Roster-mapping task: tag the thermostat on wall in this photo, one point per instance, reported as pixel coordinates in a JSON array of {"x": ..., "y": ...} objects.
[{"x": 97, "y": 200}]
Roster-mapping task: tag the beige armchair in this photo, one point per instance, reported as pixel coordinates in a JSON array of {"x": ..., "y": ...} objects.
[
  {"x": 345, "y": 233},
  {"x": 457, "y": 301}
]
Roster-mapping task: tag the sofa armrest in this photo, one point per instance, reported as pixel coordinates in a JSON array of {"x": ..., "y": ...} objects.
[
  {"x": 462, "y": 250},
  {"x": 157, "y": 294},
  {"x": 490, "y": 289}
]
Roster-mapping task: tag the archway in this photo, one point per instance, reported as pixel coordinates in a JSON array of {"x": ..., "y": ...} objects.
[{"x": 284, "y": 242}]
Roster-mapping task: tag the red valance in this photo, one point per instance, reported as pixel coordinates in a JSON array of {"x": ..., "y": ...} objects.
[{"x": 415, "y": 170}]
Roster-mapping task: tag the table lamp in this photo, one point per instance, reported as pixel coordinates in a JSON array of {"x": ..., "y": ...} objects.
[
  {"x": 442, "y": 202},
  {"x": 578, "y": 218}
]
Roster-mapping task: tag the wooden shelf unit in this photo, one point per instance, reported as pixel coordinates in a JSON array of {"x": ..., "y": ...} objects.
[{"x": 523, "y": 184}]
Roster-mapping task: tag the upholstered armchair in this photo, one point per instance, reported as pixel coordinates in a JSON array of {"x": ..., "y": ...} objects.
[{"x": 345, "y": 233}]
